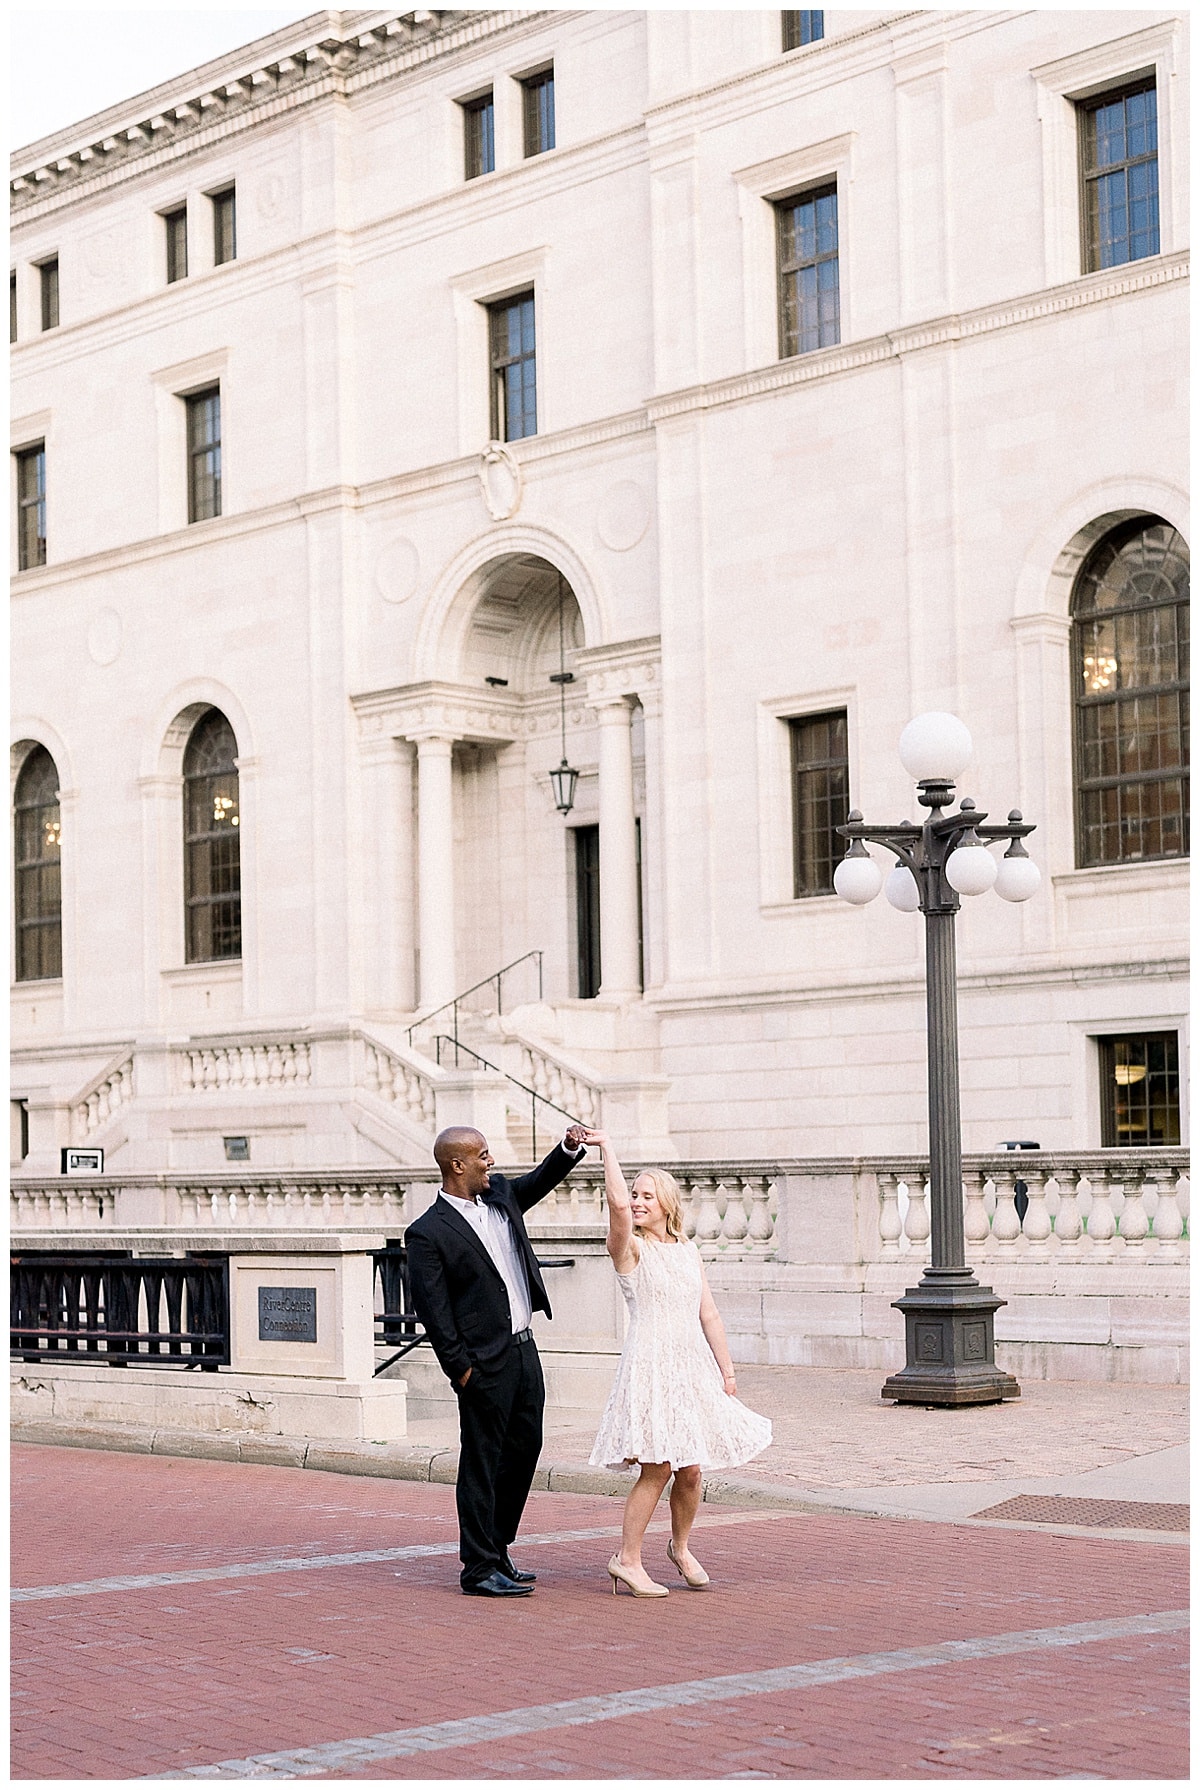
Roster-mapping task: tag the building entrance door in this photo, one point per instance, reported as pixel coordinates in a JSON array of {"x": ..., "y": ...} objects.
[{"x": 587, "y": 911}]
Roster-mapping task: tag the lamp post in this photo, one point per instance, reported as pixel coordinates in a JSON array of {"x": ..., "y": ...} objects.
[{"x": 948, "y": 1316}]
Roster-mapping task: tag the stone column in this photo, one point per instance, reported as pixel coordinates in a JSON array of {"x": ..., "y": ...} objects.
[
  {"x": 435, "y": 870},
  {"x": 618, "y": 851}
]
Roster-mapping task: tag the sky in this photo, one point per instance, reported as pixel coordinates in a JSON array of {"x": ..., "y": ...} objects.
[{"x": 66, "y": 64}]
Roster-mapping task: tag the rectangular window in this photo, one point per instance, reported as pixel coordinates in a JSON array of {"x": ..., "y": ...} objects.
[
  {"x": 12, "y": 307},
  {"x": 820, "y": 799},
  {"x": 802, "y": 28},
  {"x": 809, "y": 304},
  {"x": 204, "y": 455},
  {"x": 514, "y": 368},
  {"x": 175, "y": 224},
  {"x": 1119, "y": 168},
  {"x": 224, "y": 227},
  {"x": 479, "y": 136},
  {"x": 49, "y": 277},
  {"x": 538, "y": 111},
  {"x": 31, "y": 507},
  {"x": 1139, "y": 1090},
  {"x": 587, "y": 912}
]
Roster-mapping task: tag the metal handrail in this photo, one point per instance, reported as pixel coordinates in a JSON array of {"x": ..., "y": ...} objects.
[
  {"x": 495, "y": 977},
  {"x": 483, "y": 1062}
]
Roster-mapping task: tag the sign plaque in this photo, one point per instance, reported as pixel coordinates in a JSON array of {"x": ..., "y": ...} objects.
[{"x": 287, "y": 1314}]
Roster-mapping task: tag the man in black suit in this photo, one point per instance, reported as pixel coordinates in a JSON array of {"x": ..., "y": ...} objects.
[{"x": 475, "y": 1286}]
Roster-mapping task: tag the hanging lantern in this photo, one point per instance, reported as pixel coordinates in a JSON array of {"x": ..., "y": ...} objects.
[
  {"x": 564, "y": 779},
  {"x": 563, "y": 782}
]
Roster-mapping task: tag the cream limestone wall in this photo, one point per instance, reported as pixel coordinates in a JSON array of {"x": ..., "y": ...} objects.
[{"x": 881, "y": 526}]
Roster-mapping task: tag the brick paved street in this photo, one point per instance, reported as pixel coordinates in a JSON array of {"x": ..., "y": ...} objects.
[{"x": 251, "y": 1638}]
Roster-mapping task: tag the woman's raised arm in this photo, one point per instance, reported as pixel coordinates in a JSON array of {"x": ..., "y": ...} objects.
[{"x": 621, "y": 1246}]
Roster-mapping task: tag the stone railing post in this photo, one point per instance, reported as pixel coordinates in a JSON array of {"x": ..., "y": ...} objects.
[
  {"x": 1037, "y": 1227},
  {"x": 890, "y": 1229},
  {"x": 1068, "y": 1222},
  {"x": 976, "y": 1228},
  {"x": 1134, "y": 1227},
  {"x": 1167, "y": 1223},
  {"x": 1006, "y": 1226},
  {"x": 916, "y": 1219},
  {"x": 1101, "y": 1223}
]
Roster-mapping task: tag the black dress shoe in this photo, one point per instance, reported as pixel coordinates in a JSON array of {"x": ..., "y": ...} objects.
[
  {"x": 497, "y": 1584},
  {"x": 515, "y": 1574}
]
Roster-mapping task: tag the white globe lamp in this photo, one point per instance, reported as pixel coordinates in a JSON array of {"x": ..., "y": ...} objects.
[
  {"x": 971, "y": 869},
  {"x": 858, "y": 879},
  {"x": 1017, "y": 876},
  {"x": 935, "y": 748},
  {"x": 901, "y": 889}
]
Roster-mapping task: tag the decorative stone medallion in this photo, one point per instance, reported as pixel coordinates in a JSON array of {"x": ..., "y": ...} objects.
[
  {"x": 623, "y": 516},
  {"x": 500, "y": 481},
  {"x": 397, "y": 569},
  {"x": 104, "y": 637}
]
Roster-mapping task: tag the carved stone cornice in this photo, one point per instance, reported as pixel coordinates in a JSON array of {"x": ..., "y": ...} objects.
[
  {"x": 626, "y": 668},
  {"x": 176, "y": 120},
  {"x": 436, "y": 710}
]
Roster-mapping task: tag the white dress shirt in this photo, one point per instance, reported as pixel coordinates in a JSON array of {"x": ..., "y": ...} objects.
[{"x": 494, "y": 1231}]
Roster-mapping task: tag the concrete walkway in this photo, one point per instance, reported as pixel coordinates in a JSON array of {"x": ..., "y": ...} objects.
[{"x": 837, "y": 1447}]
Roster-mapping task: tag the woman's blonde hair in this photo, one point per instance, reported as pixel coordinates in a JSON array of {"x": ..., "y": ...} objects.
[{"x": 669, "y": 1198}]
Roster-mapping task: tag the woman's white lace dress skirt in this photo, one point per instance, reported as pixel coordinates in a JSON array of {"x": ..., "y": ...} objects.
[{"x": 668, "y": 1401}]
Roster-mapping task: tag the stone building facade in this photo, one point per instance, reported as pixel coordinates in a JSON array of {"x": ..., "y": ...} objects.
[{"x": 378, "y": 375}]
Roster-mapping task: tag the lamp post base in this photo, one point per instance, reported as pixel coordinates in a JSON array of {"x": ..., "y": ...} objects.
[{"x": 951, "y": 1348}]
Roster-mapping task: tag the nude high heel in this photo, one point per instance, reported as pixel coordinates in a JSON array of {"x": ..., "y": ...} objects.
[
  {"x": 695, "y": 1581},
  {"x": 621, "y": 1575}
]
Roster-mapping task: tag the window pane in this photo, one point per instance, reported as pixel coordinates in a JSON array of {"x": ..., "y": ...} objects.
[
  {"x": 36, "y": 854},
  {"x": 212, "y": 845},
  {"x": 204, "y": 455},
  {"x": 1119, "y": 148},
  {"x": 809, "y": 301},
  {"x": 12, "y": 307},
  {"x": 539, "y": 113},
  {"x": 177, "y": 261},
  {"x": 802, "y": 28},
  {"x": 224, "y": 227},
  {"x": 1139, "y": 1085},
  {"x": 514, "y": 369},
  {"x": 49, "y": 278},
  {"x": 479, "y": 126},
  {"x": 820, "y": 799},
  {"x": 31, "y": 508},
  {"x": 1129, "y": 643}
]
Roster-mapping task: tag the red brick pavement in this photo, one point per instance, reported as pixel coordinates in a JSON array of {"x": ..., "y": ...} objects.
[{"x": 124, "y": 1684}]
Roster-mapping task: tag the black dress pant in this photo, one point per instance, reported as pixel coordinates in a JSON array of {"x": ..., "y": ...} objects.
[{"x": 500, "y": 1433}]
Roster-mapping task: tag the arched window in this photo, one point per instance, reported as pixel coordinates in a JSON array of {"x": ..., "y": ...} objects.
[
  {"x": 1129, "y": 668},
  {"x": 38, "y": 877},
  {"x": 212, "y": 856}
]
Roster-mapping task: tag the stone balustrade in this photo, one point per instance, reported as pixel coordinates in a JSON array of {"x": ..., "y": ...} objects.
[
  {"x": 1082, "y": 1205},
  {"x": 401, "y": 1083},
  {"x": 255, "y": 1063},
  {"x": 561, "y": 1087},
  {"x": 98, "y": 1103}
]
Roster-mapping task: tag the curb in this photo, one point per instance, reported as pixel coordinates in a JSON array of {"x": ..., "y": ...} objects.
[
  {"x": 439, "y": 1466},
  {"x": 380, "y": 1460}
]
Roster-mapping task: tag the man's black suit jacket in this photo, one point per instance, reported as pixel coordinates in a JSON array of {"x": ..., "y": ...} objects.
[{"x": 457, "y": 1290}]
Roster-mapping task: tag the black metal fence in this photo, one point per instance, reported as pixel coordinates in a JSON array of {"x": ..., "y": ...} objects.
[{"x": 120, "y": 1310}]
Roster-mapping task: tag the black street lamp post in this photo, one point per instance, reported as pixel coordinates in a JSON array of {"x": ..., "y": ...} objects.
[{"x": 948, "y": 1316}]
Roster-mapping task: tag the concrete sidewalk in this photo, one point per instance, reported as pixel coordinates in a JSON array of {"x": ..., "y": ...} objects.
[{"x": 837, "y": 1447}]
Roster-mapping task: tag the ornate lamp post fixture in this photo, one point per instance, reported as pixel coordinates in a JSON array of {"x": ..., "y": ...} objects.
[
  {"x": 564, "y": 779},
  {"x": 948, "y": 1316}
]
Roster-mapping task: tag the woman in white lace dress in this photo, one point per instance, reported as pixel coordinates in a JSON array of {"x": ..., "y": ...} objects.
[{"x": 673, "y": 1408}]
